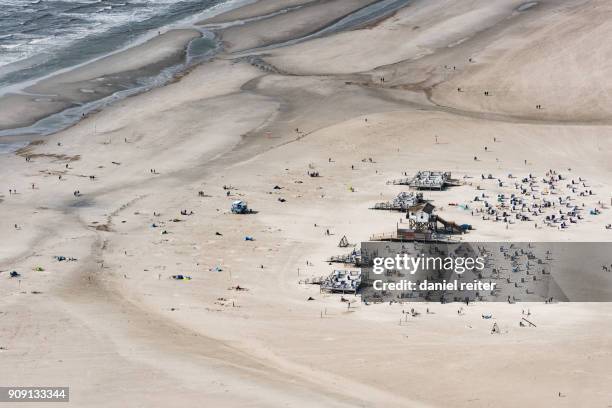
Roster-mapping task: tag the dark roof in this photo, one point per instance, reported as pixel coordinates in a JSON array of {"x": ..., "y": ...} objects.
[{"x": 425, "y": 207}]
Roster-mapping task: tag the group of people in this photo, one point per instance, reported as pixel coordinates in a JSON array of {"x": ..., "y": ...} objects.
[{"x": 551, "y": 199}]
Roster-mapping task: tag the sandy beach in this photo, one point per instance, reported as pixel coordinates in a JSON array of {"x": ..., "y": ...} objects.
[
  {"x": 141, "y": 190},
  {"x": 281, "y": 27}
]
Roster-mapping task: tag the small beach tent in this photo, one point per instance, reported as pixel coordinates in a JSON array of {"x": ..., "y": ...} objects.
[{"x": 343, "y": 242}]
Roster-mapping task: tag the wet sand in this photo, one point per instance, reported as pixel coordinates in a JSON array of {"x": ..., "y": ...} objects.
[{"x": 94, "y": 80}]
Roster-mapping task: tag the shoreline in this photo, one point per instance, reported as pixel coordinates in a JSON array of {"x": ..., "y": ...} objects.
[
  {"x": 18, "y": 92},
  {"x": 94, "y": 81},
  {"x": 54, "y": 109}
]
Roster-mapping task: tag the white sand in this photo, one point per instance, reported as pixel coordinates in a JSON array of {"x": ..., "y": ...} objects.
[{"x": 116, "y": 328}]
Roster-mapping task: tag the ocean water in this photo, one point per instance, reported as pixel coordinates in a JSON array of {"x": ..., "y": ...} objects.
[{"x": 38, "y": 37}]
